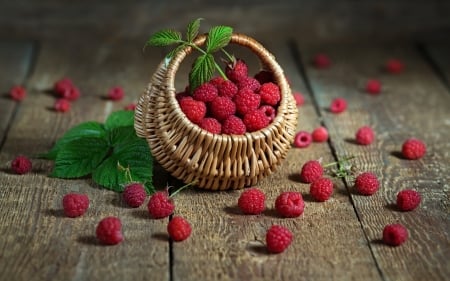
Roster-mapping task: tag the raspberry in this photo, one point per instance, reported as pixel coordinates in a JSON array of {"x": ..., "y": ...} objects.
[
  {"x": 264, "y": 76},
  {"x": 269, "y": 111},
  {"x": 408, "y": 200},
  {"x": 222, "y": 107},
  {"x": 366, "y": 183},
  {"x": 160, "y": 205},
  {"x": 320, "y": 134},
  {"x": 62, "y": 105},
  {"x": 134, "y": 195},
  {"x": 299, "y": 99},
  {"x": 131, "y": 107},
  {"x": 252, "y": 201},
  {"x": 364, "y": 135},
  {"x": 62, "y": 86},
  {"x": 394, "y": 66},
  {"x": 206, "y": 92},
  {"x": 211, "y": 125},
  {"x": 181, "y": 95},
  {"x": 278, "y": 238},
  {"x": 72, "y": 94},
  {"x": 216, "y": 81},
  {"x": 321, "y": 189},
  {"x": 17, "y": 93},
  {"x": 413, "y": 149},
  {"x": 321, "y": 61},
  {"x": 179, "y": 229},
  {"x": 116, "y": 93},
  {"x": 255, "y": 120},
  {"x": 193, "y": 109},
  {"x": 338, "y": 105},
  {"x": 246, "y": 101},
  {"x": 109, "y": 231},
  {"x": 21, "y": 165},
  {"x": 289, "y": 204},
  {"x": 270, "y": 93},
  {"x": 233, "y": 125},
  {"x": 75, "y": 204},
  {"x": 302, "y": 139},
  {"x": 249, "y": 83},
  {"x": 395, "y": 234},
  {"x": 311, "y": 171},
  {"x": 373, "y": 87},
  {"x": 227, "y": 89},
  {"x": 237, "y": 70}
]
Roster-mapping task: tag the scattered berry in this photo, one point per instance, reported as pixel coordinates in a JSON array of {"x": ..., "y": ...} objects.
[
  {"x": 206, "y": 92},
  {"x": 75, "y": 204},
  {"x": 236, "y": 70},
  {"x": 270, "y": 93},
  {"x": 211, "y": 125},
  {"x": 264, "y": 76},
  {"x": 299, "y": 99},
  {"x": 72, "y": 94},
  {"x": 364, "y": 135},
  {"x": 62, "y": 105},
  {"x": 116, "y": 93},
  {"x": 413, "y": 149},
  {"x": 321, "y": 189},
  {"x": 394, "y": 66},
  {"x": 408, "y": 200},
  {"x": 131, "y": 107},
  {"x": 338, "y": 105},
  {"x": 63, "y": 86},
  {"x": 179, "y": 229},
  {"x": 367, "y": 183},
  {"x": 255, "y": 120},
  {"x": 278, "y": 238},
  {"x": 134, "y": 195},
  {"x": 252, "y": 201},
  {"x": 302, "y": 139},
  {"x": 221, "y": 108},
  {"x": 249, "y": 83},
  {"x": 109, "y": 231},
  {"x": 227, "y": 89},
  {"x": 269, "y": 111},
  {"x": 395, "y": 234},
  {"x": 311, "y": 171},
  {"x": 17, "y": 93},
  {"x": 321, "y": 61},
  {"x": 21, "y": 165},
  {"x": 160, "y": 205},
  {"x": 193, "y": 109},
  {"x": 320, "y": 134},
  {"x": 246, "y": 101},
  {"x": 289, "y": 204},
  {"x": 233, "y": 125},
  {"x": 373, "y": 87}
]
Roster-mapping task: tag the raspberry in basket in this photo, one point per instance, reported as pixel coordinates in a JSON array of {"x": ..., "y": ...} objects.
[
  {"x": 221, "y": 108},
  {"x": 227, "y": 89},
  {"x": 236, "y": 70},
  {"x": 270, "y": 93},
  {"x": 194, "y": 110},
  {"x": 255, "y": 120},
  {"x": 206, "y": 92},
  {"x": 246, "y": 101},
  {"x": 233, "y": 125},
  {"x": 269, "y": 111},
  {"x": 249, "y": 83},
  {"x": 264, "y": 76},
  {"x": 211, "y": 125}
]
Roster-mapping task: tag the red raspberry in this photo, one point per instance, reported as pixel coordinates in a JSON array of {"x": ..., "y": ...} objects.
[
  {"x": 264, "y": 76},
  {"x": 75, "y": 204},
  {"x": 321, "y": 61},
  {"x": 269, "y": 111},
  {"x": 408, "y": 200},
  {"x": 338, "y": 105},
  {"x": 373, "y": 87},
  {"x": 270, "y": 93},
  {"x": 182, "y": 95},
  {"x": 252, "y": 201},
  {"x": 299, "y": 99},
  {"x": 206, "y": 92},
  {"x": 249, "y": 83},
  {"x": 193, "y": 109},
  {"x": 320, "y": 134},
  {"x": 364, "y": 135},
  {"x": 255, "y": 120},
  {"x": 160, "y": 205},
  {"x": 179, "y": 229},
  {"x": 109, "y": 231},
  {"x": 72, "y": 94},
  {"x": 216, "y": 81},
  {"x": 302, "y": 139},
  {"x": 278, "y": 238},
  {"x": 367, "y": 183},
  {"x": 246, "y": 101},
  {"x": 130, "y": 107},
  {"x": 17, "y": 93},
  {"x": 211, "y": 125},
  {"x": 134, "y": 195},
  {"x": 222, "y": 107},
  {"x": 321, "y": 189},
  {"x": 21, "y": 165},
  {"x": 227, "y": 89},
  {"x": 413, "y": 149},
  {"x": 394, "y": 66},
  {"x": 62, "y": 105},
  {"x": 237, "y": 70},
  {"x": 395, "y": 234},
  {"x": 311, "y": 171},
  {"x": 289, "y": 204},
  {"x": 116, "y": 93},
  {"x": 63, "y": 86},
  {"x": 233, "y": 125}
]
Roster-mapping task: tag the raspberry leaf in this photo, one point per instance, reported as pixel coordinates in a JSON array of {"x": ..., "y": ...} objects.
[
  {"x": 121, "y": 118},
  {"x": 202, "y": 70},
  {"x": 218, "y": 37},
  {"x": 164, "y": 38},
  {"x": 192, "y": 29}
]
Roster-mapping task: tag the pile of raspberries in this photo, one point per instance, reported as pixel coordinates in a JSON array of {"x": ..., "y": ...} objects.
[{"x": 235, "y": 105}]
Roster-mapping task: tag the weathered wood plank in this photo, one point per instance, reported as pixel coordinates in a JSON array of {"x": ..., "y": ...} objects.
[
  {"x": 439, "y": 53},
  {"x": 412, "y": 104}
]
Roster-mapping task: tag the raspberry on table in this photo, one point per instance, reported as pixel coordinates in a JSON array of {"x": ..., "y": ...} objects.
[
  {"x": 160, "y": 205},
  {"x": 321, "y": 61},
  {"x": 367, "y": 183},
  {"x": 395, "y": 234},
  {"x": 255, "y": 120},
  {"x": 246, "y": 101},
  {"x": 21, "y": 165},
  {"x": 290, "y": 204},
  {"x": 252, "y": 201},
  {"x": 311, "y": 171},
  {"x": 394, "y": 66},
  {"x": 269, "y": 111},
  {"x": 75, "y": 204},
  {"x": 249, "y": 83},
  {"x": 233, "y": 125},
  {"x": 227, "y": 89},
  {"x": 134, "y": 195},
  {"x": 17, "y": 93},
  {"x": 109, "y": 231},
  {"x": 72, "y": 94},
  {"x": 179, "y": 229},
  {"x": 321, "y": 189},
  {"x": 299, "y": 98},
  {"x": 320, "y": 134},
  {"x": 130, "y": 107},
  {"x": 278, "y": 238},
  {"x": 373, "y": 86},
  {"x": 270, "y": 93},
  {"x": 364, "y": 135},
  {"x": 211, "y": 125},
  {"x": 221, "y": 108},
  {"x": 302, "y": 139},
  {"x": 63, "y": 86},
  {"x": 206, "y": 92},
  {"x": 62, "y": 105},
  {"x": 116, "y": 93},
  {"x": 338, "y": 105},
  {"x": 194, "y": 110},
  {"x": 408, "y": 200},
  {"x": 413, "y": 149},
  {"x": 264, "y": 76},
  {"x": 236, "y": 70}
]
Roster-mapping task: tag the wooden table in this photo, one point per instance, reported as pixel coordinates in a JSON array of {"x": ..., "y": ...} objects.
[{"x": 336, "y": 240}]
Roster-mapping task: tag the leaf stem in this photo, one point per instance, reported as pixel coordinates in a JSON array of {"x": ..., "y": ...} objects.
[{"x": 181, "y": 188}]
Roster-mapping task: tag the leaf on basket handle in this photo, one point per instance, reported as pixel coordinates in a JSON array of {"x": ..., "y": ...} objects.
[
  {"x": 218, "y": 37},
  {"x": 192, "y": 29},
  {"x": 164, "y": 38}
]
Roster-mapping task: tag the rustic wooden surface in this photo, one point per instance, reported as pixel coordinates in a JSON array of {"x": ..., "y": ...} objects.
[{"x": 101, "y": 46}]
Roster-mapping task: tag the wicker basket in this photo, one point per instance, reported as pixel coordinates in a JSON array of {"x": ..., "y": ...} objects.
[{"x": 214, "y": 161}]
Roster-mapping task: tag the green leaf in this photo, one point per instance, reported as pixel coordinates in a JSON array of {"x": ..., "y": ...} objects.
[
  {"x": 120, "y": 118},
  {"x": 164, "y": 37},
  {"x": 80, "y": 157},
  {"x": 202, "y": 71},
  {"x": 192, "y": 29},
  {"x": 218, "y": 37}
]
